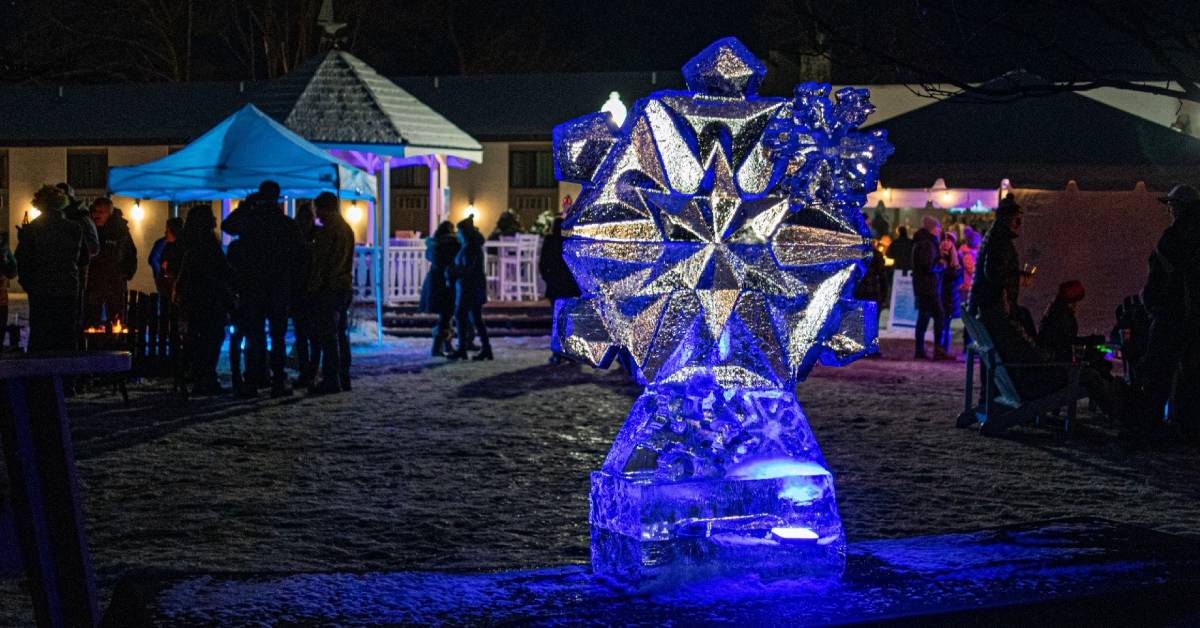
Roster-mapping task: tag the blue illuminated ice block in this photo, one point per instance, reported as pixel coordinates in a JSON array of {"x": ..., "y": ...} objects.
[{"x": 716, "y": 244}]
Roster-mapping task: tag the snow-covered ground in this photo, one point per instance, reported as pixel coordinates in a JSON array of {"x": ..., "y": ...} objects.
[{"x": 483, "y": 466}]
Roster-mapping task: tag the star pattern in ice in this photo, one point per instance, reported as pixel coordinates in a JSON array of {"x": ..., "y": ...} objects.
[{"x": 695, "y": 251}]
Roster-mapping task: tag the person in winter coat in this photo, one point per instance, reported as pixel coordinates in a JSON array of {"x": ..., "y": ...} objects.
[
  {"x": 273, "y": 243},
  {"x": 1058, "y": 333},
  {"x": 1172, "y": 297},
  {"x": 205, "y": 296},
  {"x": 50, "y": 251},
  {"x": 470, "y": 289},
  {"x": 331, "y": 287},
  {"x": 901, "y": 250},
  {"x": 560, "y": 283},
  {"x": 307, "y": 347},
  {"x": 437, "y": 291},
  {"x": 928, "y": 267},
  {"x": 165, "y": 257},
  {"x": 873, "y": 284},
  {"x": 952, "y": 279},
  {"x": 996, "y": 286},
  {"x": 76, "y": 212},
  {"x": 968, "y": 252},
  {"x": 112, "y": 268}
]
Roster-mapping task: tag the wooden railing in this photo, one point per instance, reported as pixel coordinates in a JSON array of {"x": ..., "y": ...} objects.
[{"x": 405, "y": 269}]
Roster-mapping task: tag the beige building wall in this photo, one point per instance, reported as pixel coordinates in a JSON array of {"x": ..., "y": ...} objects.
[{"x": 485, "y": 185}]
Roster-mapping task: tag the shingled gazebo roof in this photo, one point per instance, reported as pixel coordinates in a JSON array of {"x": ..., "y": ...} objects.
[{"x": 337, "y": 101}]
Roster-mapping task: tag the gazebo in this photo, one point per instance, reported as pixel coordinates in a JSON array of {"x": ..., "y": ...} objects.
[{"x": 344, "y": 106}]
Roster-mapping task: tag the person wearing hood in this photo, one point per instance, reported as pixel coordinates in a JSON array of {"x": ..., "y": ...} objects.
[
  {"x": 112, "y": 268},
  {"x": 50, "y": 251},
  {"x": 471, "y": 289},
  {"x": 928, "y": 267},
  {"x": 437, "y": 291},
  {"x": 272, "y": 243},
  {"x": 1170, "y": 367}
]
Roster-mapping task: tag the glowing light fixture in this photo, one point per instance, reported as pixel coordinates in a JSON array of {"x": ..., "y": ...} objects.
[
  {"x": 794, "y": 534},
  {"x": 354, "y": 213},
  {"x": 615, "y": 108},
  {"x": 137, "y": 213},
  {"x": 471, "y": 211},
  {"x": 34, "y": 213}
]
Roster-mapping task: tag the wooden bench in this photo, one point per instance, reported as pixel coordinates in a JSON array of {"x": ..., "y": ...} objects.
[
  {"x": 1002, "y": 405},
  {"x": 45, "y": 499}
]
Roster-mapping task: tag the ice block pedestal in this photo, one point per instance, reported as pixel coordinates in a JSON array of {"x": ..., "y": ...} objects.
[{"x": 709, "y": 485}]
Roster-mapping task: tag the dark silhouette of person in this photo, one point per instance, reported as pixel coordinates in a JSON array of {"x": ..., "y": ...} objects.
[
  {"x": 112, "y": 268},
  {"x": 560, "y": 283},
  {"x": 205, "y": 296},
  {"x": 900, "y": 250},
  {"x": 879, "y": 224},
  {"x": 331, "y": 287},
  {"x": 1170, "y": 369},
  {"x": 165, "y": 256},
  {"x": 306, "y": 347},
  {"x": 76, "y": 212},
  {"x": 437, "y": 291},
  {"x": 470, "y": 290},
  {"x": 1058, "y": 333},
  {"x": 927, "y": 269},
  {"x": 272, "y": 244},
  {"x": 50, "y": 251},
  {"x": 245, "y": 382},
  {"x": 873, "y": 284}
]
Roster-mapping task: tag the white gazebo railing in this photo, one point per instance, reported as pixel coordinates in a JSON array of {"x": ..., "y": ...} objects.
[{"x": 511, "y": 264}]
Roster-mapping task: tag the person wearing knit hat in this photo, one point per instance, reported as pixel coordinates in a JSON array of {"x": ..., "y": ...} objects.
[
  {"x": 1059, "y": 330},
  {"x": 50, "y": 250}
]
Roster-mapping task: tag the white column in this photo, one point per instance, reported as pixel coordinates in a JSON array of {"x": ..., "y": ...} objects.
[
  {"x": 444, "y": 192},
  {"x": 385, "y": 222},
  {"x": 435, "y": 194}
]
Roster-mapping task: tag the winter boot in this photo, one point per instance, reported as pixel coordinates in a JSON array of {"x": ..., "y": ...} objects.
[{"x": 485, "y": 353}]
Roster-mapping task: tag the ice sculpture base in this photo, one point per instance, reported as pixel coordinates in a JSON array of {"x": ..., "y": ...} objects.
[{"x": 651, "y": 535}]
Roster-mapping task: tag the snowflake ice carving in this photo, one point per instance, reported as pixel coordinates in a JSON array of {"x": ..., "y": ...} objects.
[{"x": 718, "y": 233}]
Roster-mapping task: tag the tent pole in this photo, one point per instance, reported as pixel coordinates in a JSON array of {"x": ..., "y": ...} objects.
[
  {"x": 385, "y": 233},
  {"x": 379, "y": 270}
]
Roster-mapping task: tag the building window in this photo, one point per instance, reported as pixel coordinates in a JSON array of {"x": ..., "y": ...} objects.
[
  {"x": 531, "y": 169},
  {"x": 87, "y": 170}
]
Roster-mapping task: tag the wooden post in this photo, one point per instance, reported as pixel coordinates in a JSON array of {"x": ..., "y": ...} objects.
[{"x": 46, "y": 499}]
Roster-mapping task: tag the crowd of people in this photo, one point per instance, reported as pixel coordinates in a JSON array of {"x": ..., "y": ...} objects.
[
  {"x": 986, "y": 272},
  {"x": 75, "y": 266},
  {"x": 455, "y": 289}
]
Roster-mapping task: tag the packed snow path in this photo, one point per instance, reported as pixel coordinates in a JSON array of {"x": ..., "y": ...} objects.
[{"x": 483, "y": 466}]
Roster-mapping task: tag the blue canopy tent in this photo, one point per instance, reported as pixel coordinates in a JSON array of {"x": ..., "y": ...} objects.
[{"x": 232, "y": 159}]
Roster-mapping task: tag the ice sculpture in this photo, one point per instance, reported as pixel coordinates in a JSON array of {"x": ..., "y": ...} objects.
[{"x": 716, "y": 242}]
